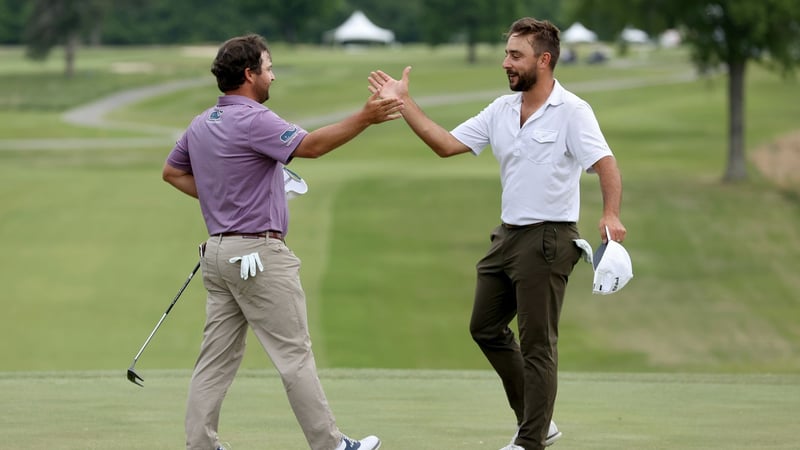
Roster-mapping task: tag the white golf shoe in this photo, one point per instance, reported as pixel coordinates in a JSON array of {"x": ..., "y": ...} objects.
[
  {"x": 552, "y": 436},
  {"x": 367, "y": 443}
]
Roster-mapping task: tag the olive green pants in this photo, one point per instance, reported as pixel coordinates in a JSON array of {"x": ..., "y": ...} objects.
[{"x": 524, "y": 274}]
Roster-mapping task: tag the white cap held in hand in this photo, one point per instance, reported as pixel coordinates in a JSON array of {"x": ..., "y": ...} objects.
[{"x": 612, "y": 267}]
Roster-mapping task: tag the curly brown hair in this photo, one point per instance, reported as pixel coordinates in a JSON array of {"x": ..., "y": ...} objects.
[
  {"x": 234, "y": 56},
  {"x": 543, "y": 36}
]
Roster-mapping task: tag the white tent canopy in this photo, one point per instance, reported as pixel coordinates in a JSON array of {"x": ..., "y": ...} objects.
[
  {"x": 634, "y": 36},
  {"x": 358, "y": 28},
  {"x": 578, "y": 33},
  {"x": 670, "y": 38}
]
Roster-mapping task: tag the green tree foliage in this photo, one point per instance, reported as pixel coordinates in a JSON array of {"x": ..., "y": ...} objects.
[
  {"x": 733, "y": 33},
  {"x": 60, "y": 22},
  {"x": 468, "y": 21},
  {"x": 179, "y": 22},
  {"x": 727, "y": 33},
  {"x": 138, "y": 22},
  {"x": 479, "y": 21},
  {"x": 12, "y": 20},
  {"x": 291, "y": 19}
]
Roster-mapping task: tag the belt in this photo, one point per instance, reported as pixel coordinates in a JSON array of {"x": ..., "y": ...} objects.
[
  {"x": 509, "y": 226},
  {"x": 265, "y": 234}
]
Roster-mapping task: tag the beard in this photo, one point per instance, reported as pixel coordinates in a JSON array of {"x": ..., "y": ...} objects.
[
  {"x": 264, "y": 95},
  {"x": 262, "y": 92},
  {"x": 525, "y": 81}
]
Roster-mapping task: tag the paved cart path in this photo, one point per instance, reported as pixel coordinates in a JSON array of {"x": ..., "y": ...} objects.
[{"x": 95, "y": 114}]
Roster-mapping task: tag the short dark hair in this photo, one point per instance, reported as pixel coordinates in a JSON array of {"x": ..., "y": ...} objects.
[
  {"x": 544, "y": 36},
  {"x": 236, "y": 55}
]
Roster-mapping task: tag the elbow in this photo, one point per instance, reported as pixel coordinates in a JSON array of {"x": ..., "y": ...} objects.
[
  {"x": 307, "y": 153},
  {"x": 170, "y": 174},
  {"x": 445, "y": 151},
  {"x": 314, "y": 155}
]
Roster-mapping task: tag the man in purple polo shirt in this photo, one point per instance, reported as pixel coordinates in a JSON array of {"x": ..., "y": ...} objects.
[{"x": 231, "y": 158}]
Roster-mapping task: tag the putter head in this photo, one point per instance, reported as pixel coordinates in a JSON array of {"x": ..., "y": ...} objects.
[{"x": 134, "y": 378}]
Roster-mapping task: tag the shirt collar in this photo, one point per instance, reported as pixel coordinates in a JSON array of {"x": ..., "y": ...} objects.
[
  {"x": 556, "y": 96},
  {"x": 227, "y": 100}
]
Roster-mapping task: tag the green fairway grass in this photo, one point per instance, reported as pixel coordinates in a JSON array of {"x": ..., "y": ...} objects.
[
  {"x": 96, "y": 245},
  {"x": 419, "y": 409}
]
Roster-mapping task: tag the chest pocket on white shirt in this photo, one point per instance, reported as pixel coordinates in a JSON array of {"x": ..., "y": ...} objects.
[{"x": 542, "y": 146}]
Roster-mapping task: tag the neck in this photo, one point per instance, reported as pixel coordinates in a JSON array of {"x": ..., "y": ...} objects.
[
  {"x": 243, "y": 91},
  {"x": 539, "y": 93}
]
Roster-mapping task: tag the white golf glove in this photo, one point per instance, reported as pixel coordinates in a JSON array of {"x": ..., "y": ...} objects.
[
  {"x": 586, "y": 249},
  {"x": 249, "y": 264}
]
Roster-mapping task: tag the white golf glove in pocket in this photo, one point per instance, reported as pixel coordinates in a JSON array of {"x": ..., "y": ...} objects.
[
  {"x": 249, "y": 264},
  {"x": 586, "y": 249}
]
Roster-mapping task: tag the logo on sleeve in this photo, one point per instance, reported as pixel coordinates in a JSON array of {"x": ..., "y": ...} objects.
[
  {"x": 288, "y": 136},
  {"x": 215, "y": 115}
]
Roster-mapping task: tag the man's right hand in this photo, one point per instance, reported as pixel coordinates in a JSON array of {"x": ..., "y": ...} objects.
[
  {"x": 387, "y": 87},
  {"x": 380, "y": 109}
]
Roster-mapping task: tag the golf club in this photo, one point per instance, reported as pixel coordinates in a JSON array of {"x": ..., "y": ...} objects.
[{"x": 133, "y": 377}]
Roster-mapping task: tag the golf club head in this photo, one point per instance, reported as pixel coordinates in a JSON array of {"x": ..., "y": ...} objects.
[{"x": 134, "y": 378}]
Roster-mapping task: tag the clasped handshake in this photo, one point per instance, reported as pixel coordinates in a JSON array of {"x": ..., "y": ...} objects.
[{"x": 388, "y": 96}]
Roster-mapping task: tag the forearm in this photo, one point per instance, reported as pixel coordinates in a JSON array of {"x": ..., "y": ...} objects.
[
  {"x": 610, "y": 185},
  {"x": 182, "y": 181},
  {"x": 432, "y": 134},
  {"x": 329, "y": 137},
  {"x": 610, "y": 225}
]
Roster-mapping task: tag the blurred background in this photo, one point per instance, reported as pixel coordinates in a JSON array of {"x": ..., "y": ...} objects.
[{"x": 698, "y": 100}]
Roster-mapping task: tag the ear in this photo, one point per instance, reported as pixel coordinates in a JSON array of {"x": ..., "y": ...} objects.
[
  {"x": 249, "y": 75},
  {"x": 544, "y": 61}
]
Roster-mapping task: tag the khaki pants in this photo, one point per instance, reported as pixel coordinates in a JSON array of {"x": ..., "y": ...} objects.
[
  {"x": 525, "y": 273},
  {"x": 273, "y": 304}
]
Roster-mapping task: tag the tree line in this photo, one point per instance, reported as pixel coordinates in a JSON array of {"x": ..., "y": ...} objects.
[{"x": 145, "y": 22}]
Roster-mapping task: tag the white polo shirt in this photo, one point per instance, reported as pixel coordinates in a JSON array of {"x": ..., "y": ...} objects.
[{"x": 540, "y": 163}]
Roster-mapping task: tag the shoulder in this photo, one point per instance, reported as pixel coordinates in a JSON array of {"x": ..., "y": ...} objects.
[
  {"x": 508, "y": 100},
  {"x": 503, "y": 103},
  {"x": 570, "y": 98}
]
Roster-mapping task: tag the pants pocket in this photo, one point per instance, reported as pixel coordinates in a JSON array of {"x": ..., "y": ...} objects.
[{"x": 550, "y": 244}]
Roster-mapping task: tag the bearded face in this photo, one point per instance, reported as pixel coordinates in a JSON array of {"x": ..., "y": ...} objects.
[
  {"x": 520, "y": 64},
  {"x": 521, "y": 81}
]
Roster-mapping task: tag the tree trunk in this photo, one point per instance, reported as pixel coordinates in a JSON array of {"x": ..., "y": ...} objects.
[
  {"x": 70, "y": 49},
  {"x": 472, "y": 46},
  {"x": 737, "y": 167},
  {"x": 472, "y": 53}
]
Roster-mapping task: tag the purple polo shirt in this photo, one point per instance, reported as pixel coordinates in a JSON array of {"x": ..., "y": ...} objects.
[{"x": 236, "y": 152}]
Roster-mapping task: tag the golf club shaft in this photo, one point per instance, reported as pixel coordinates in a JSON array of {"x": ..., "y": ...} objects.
[{"x": 164, "y": 316}]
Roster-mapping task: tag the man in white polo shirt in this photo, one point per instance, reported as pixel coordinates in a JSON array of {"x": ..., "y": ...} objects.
[{"x": 544, "y": 137}]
